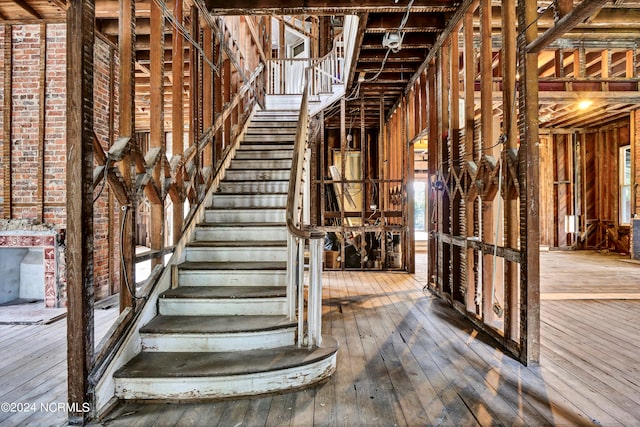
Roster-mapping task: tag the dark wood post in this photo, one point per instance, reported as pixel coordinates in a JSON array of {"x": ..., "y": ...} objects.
[{"x": 80, "y": 282}]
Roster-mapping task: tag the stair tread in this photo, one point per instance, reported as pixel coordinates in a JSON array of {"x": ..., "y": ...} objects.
[
  {"x": 237, "y": 243},
  {"x": 230, "y": 292},
  {"x": 251, "y": 193},
  {"x": 238, "y": 266},
  {"x": 232, "y": 208},
  {"x": 205, "y": 224},
  {"x": 215, "y": 324},
  {"x": 240, "y": 181},
  {"x": 216, "y": 364}
]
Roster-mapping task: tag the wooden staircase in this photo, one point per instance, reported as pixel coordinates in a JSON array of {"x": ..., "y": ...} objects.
[{"x": 225, "y": 330}]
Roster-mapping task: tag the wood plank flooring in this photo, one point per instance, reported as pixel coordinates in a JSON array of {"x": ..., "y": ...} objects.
[{"x": 406, "y": 358}]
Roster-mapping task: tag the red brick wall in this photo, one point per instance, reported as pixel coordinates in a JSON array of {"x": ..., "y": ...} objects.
[
  {"x": 2, "y": 160},
  {"x": 24, "y": 149},
  {"x": 55, "y": 127},
  {"x": 25, "y": 121},
  {"x": 635, "y": 163},
  {"x": 104, "y": 94}
]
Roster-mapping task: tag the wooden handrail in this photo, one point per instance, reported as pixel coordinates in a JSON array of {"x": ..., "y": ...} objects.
[{"x": 294, "y": 223}]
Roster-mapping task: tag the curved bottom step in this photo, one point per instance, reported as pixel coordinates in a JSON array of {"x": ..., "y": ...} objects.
[{"x": 184, "y": 376}]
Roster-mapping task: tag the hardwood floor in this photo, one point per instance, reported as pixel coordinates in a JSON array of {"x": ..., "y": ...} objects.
[{"x": 405, "y": 359}]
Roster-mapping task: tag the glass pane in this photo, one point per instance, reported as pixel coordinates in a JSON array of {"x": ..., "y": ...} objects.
[
  {"x": 626, "y": 164},
  {"x": 419, "y": 189},
  {"x": 625, "y": 204}
]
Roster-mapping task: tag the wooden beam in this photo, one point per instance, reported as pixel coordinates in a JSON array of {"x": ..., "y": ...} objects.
[
  {"x": 7, "y": 207},
  {"x": 42, "y": 120},
  {"x": 156, "y": 135},
  {"x": 325, "y": 7},
  {"x": 453, "y": 23},
  {"x": 28, "y": 8},
  {"x": 581, "y": 12},
  {"x": 486, "y": 117},
  {"x": 79, "y": 236},
  {"x": 510, "y": 131},
  {"x": 207, "y": 93},
  {"x": 469, "y": 129},
  {"x": 529, "y": 171},
  {"x": 126, "y": 128},
  {"x": 177, "y": 116}
]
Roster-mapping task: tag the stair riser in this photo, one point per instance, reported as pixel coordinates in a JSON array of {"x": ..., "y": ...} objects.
[
  {"x": 254, "y": 187},
  {"x": 185, "y": 388},
  {"x": 263, "y": 154},
  {"x": 252, "y": 201},
  {"x": 271, "y": 130},
  {"x": 269, "y": 138},
  {"x": 242, "y": 341},
  {"x": 261, "y": 164},
  {"x": 222, "y": 307},
  {"x": 257, "y": 175},
  {"x": 226, "y": 254},
  {"x": 240, "y": 234},
  {"x": 231, "y": 278},
  {"x": 266, "y": 124},
  {"x": 249, "y": 146},
  {"x": 245, "y": 215}
]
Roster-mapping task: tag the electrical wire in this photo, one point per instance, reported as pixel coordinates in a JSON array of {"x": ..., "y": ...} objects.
[
  {"x": 132, "y": 290},
  {"x": 104, "y": 180}
]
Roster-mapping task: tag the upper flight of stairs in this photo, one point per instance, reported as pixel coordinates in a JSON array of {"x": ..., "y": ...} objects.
[{"x": 224, "y": 331}]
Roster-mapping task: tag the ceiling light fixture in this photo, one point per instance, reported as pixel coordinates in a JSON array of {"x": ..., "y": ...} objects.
[{"x": 584, "y": 104}]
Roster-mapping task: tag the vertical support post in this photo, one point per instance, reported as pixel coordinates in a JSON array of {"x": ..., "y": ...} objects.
[
  {"x": 408, "y": 178},
  {"x": 529, "y": 191},
  {"x": 218, "y": 54},
  {"x": 207, "y": 95},
  {"x": 194, "y": 87},
  {"x": 177, "y": 109},
  {"x": 469, "y": 127},
  {"x": 112, "y": 226},
  {"x": 291, "y": 272},
  {"x": 7, "y": 205},
  {"x": 42, "y": 119},
  {"x": 300, "y": 287},
  {"x": 343, "y": 168},
  {"x": 455, "y": 160},
  {"x": 443, "y": 141},
  {"x": 80, "y": 281},
  {"x": 315, "y": 292},
  {"x": 157, "y": 137},
  {"x": 511, "y": 312},
  {"x": 126, "y": 126},
  {"x": 432, "y": 226},
  {"x": 486, "y": 117}
]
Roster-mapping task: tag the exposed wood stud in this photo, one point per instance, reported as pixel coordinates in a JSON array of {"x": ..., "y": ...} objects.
[
  {"x": 157, "y": 135},
  {"x": 7, "y": 207},
  {"x": 488, "y": 142},
  {"x": 529, "y": 175},
  {"x": 177, "y": 118},
  {"x": 42, "y": 121},
  {"x": 510, "y": 130},
  {"x": 126, "y": 127},
  {"x": 79, "y": 236}
]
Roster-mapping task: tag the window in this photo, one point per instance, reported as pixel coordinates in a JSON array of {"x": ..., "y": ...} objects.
[
  {"x": 420, "y": 200},
  {"x": 625, "y": 185}
]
